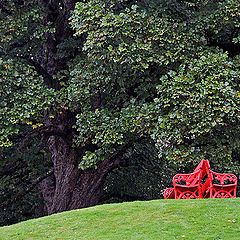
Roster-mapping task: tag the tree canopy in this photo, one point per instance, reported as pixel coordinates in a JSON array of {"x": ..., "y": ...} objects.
[{"x": 89, "y": 79}]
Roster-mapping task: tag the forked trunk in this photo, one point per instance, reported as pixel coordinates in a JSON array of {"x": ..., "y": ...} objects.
[{"x": 70, "y": 187}]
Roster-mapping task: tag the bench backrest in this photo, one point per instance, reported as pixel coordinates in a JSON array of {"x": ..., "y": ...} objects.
[{"x": 194, "y": 178}]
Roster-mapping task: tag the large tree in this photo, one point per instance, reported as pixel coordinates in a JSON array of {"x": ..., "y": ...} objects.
[{"x": 84, "y": 81}]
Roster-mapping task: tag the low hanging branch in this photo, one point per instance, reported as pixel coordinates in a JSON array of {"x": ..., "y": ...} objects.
[{"x": 23, "y": 193}]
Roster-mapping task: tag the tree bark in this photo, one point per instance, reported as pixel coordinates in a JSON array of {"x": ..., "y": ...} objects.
[
  {"x": 72, "y": 187},
  {"x": 69, "y": 187}
]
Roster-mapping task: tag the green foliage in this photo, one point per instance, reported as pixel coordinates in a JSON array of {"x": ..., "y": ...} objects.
[
  {"x": 20, "y": 100},
  {"x": 115, "y": 73},
  {"x": 134, "y": 37},
  {"x": 22, "y": 28},
  {"x": 165, "y": 71},
  {"x": 191, "y": 102},
  {"x": 18, "y": 172},
  {"x": 143, "y": 176},
  {"x": 198, "y": 101}
]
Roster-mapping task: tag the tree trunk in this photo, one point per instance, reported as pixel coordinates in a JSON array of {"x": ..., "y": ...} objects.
[
  {"x": 72, "y": 188},
  {"x": 69, "y": 187}
]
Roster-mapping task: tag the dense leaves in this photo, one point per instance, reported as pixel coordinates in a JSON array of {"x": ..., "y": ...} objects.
[
  {"x": 142, "y": 70},
  {"x": 191, "y": 89},
  {"x": 20, "y": 100},
  {"x": 196, "y": 102},
  {"x": 91, "y": 80}
]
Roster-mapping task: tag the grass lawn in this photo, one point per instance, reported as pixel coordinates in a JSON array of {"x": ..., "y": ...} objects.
[{"x": 212, "y": 219}]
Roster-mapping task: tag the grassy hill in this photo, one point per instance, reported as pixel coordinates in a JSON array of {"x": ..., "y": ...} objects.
[{"x": 213, "y": 219}]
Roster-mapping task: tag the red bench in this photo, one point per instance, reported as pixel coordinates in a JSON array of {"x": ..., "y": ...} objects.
[{"x": 202, "y": 183}]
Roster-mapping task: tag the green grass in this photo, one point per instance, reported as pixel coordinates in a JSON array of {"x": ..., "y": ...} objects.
[{"x": 161, "y": 219}]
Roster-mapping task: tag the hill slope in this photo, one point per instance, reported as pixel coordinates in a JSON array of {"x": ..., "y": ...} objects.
[{"x": 161, "y": 219}]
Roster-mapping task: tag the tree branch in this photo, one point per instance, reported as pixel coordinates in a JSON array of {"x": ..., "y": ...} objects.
[{"x": 23, "y": 193}]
